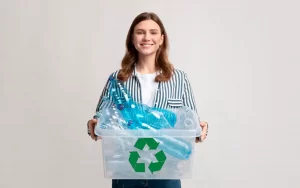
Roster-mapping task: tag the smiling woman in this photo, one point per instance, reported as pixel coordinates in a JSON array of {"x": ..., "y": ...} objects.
[
  {"x": 147, "y": 42},
  {"x": 147, "y": 37},
  {"x": 150, "y": 79}
]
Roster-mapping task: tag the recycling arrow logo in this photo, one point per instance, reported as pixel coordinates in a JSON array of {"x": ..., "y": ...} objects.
[{"x": 153, "y": 166}]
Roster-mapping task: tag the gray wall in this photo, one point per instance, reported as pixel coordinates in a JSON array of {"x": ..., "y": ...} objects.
[{"x": 242, "y": 58}]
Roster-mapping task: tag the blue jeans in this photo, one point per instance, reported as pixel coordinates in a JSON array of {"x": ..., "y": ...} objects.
[{"x": 153, "y": 183}]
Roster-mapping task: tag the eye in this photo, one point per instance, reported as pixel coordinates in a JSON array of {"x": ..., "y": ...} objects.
[{"x": 139, "y": 32}]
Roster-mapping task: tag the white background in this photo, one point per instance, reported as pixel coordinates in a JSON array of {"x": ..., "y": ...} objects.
[{"x": 242, "y": 58}]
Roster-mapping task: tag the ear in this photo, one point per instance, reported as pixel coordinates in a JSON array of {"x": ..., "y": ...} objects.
[{"x": 162, "y": 39}]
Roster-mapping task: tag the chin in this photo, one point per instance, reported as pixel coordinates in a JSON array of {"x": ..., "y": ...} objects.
[{"x": 146, "y": 53}]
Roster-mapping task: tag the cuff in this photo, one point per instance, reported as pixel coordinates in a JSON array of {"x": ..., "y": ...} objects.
[{"x": 88, "y": 130}]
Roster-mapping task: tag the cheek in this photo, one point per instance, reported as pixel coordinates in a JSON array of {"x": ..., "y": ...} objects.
[
  {"x": 137, "y": 39},
  {"x": 158, "y": 40},
  {"x": 134, "y": 40}
]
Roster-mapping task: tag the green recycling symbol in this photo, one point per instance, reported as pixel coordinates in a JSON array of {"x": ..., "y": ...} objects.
[{"x": 154, "y": 166}]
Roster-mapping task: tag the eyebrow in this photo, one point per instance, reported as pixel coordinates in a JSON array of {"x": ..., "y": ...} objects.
[{"x": 144, "y": 29}]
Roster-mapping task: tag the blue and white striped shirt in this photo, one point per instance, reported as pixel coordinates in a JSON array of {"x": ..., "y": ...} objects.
[{"x": 174, "y": 93}]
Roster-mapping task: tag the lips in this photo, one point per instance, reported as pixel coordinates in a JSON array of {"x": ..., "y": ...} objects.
[{"x": 145, "y": 45}]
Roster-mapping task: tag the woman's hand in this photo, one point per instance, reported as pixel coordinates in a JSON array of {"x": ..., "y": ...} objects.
[
  {"x": 204, "y": 126},
  {"x": 91, "y": 126}
]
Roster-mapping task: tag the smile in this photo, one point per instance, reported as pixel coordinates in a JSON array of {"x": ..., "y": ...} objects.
[{"x": 146, "y": 45}]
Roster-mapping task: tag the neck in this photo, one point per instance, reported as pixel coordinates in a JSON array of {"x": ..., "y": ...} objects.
[{"x": 146, "y": 64}]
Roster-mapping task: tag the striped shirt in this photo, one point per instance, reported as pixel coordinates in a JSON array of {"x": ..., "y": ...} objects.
[{"x": 171, "y": 94}]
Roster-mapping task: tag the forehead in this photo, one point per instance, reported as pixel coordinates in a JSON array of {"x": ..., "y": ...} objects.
[{"x": 147, "y": 25}]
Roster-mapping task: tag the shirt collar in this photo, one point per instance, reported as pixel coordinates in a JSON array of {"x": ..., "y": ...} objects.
[{"x": 134, "y": 72}]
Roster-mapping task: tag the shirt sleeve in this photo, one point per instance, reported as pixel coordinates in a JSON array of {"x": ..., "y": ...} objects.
[
  {"x": 103, "y": 101},
  {"x": 189, "y": 99},
  {"x": 188, "y": 96}
]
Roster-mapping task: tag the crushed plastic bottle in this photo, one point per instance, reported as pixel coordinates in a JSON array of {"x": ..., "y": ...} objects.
[{"x": 127, "y": 114}]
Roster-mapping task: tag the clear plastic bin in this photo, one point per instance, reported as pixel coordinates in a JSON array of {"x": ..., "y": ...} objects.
[{"x": 145, "y": 154}]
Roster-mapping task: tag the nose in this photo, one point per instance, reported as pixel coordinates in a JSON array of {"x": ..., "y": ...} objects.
[{"x": 147, "y": 36}]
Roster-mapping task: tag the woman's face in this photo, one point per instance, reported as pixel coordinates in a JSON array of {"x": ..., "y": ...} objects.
[{"x": 147, "y": 37}]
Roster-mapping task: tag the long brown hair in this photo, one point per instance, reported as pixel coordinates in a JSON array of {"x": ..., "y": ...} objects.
[{"x": 131, "y": 55}]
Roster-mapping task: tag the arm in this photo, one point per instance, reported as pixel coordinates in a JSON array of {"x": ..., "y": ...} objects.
[
  {"x": 188, "y": 98},
  {"x": 101, "y": 104}
]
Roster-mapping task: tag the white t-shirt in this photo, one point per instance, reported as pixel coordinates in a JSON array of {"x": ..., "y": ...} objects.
[{"x": 149, "y": 87}]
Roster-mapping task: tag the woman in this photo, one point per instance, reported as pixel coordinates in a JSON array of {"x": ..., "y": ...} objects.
[{"x": 150, "y": 79}]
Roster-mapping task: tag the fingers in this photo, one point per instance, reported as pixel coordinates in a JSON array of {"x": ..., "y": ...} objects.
[
  {"x": 203, "y": 123},
  {"x": 203, "y": 136},
  {"x": 204, "y": 126},
  {"x": 91, "y": 130},
  {"x": 91, "y": 125}
]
